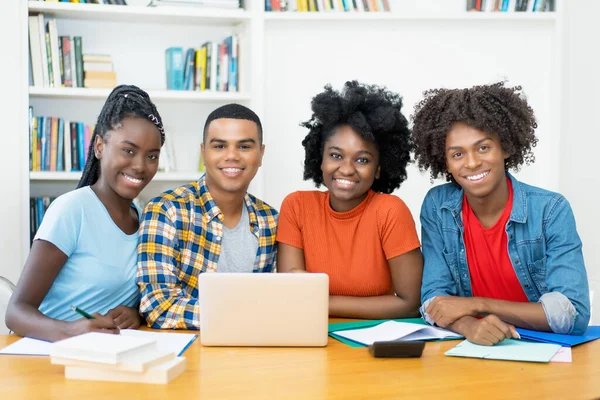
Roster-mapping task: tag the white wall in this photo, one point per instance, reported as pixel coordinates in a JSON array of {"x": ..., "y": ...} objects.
[
  {"x": 580, "y": 142},
  {"x": 409, "y": 57},
  {"x": 13, "y": 103}
]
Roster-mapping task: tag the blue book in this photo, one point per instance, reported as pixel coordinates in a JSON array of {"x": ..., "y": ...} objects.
[
  {"x": 189, "y": 70},
  {"x": 61, "y": 144},
  {"x": 80, "y": 144},
  {"x": 592, "y": 333},
  {"x": 174, "y": 66},
  {"x": 40, "y": 210}
]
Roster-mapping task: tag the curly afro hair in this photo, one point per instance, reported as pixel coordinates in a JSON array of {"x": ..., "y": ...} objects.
[
  {"x": 371, "y": 111},
  {"x": 491, "y": 108}
]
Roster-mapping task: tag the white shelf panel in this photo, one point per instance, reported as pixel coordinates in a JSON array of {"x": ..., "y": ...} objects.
[
  {"x": 45, "y": 176},
  {"x": 391, "y": 16},
  {"x": 131, "y": 14},
  {"x": 175, "y": 95}
]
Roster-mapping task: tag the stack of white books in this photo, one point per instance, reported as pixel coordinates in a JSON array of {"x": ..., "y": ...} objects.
[{"x": 119, "y": 358}]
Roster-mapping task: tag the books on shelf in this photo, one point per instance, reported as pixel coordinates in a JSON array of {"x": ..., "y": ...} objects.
[
  {"x": 98, "y": 71},
  {"x": 510, "y": 5},
  {"x": 56, "y": 61},
  {"x": 328, "y": 5},
  {"x": 214, "y": 66},
  {"x": 37, "y": 208},
  {"x": 58, "y": 145},
  {"x": 119, "y": 358}
]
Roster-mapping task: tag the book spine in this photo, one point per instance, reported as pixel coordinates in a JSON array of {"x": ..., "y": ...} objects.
[
  {"x": 67, "y": 145},
  {"x": 78, "y": 60},
  {"x": 66, "y": 60},
  {"x": 81, "y": 144},
  {"x": 53, "y": 143},
  {"x": 61, "y": 145},
  {"x": 74, "y": 148}
]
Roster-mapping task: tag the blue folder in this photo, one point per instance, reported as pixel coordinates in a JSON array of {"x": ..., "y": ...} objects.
[{"x": 592, "y": 333}]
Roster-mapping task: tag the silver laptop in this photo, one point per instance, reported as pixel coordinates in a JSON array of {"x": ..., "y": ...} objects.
[{"x": 245, "y": 309}]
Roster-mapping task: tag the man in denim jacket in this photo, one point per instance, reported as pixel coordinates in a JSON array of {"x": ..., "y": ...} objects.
[{"x": 498, "y": 253}]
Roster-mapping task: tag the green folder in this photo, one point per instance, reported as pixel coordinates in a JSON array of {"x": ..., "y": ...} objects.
[{"x": 344, "y": 326}]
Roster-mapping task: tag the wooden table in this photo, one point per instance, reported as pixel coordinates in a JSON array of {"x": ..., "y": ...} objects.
[{"x": 336, "y": 371}]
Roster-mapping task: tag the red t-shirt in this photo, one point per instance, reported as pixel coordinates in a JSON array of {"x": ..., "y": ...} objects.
[{"x": 492, "y": 273}]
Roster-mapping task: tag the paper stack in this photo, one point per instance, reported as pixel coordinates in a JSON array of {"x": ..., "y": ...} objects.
[{"x": 119, "y": 358}]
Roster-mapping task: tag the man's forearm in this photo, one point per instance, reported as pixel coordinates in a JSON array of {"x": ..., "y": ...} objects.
[{"x": 523, "y": 315}]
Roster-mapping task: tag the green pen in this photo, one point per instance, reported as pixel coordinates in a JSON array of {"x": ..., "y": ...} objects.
[{"x": 82, "y": 313}]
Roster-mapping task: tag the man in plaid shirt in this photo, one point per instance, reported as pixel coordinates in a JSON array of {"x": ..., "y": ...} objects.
[{"x": 210, "y": 225}]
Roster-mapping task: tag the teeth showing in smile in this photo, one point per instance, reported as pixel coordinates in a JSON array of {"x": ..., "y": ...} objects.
[
  {"x": 345, "y": 182},
  {"x": 132, "y": 179},
  {"x": 478, "y": 176},
  {"x": 232, "y": 170}
]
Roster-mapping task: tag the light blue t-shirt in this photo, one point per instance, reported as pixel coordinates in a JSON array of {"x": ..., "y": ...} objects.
[{"x": 101, "y": 269}]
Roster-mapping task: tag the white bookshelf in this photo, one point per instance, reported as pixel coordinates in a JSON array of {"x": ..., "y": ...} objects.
[
  {"x": 161, "y": 15},
  {"x": 401, "y": 17},
  {"x": 286, "y": 58},
  {"x": 46, "y": 176},
  {"x": 155, "y": 95}
]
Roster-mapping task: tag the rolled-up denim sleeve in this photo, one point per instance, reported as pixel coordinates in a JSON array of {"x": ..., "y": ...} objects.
[
  {"x": 426, "y": 316},
  {"x": 437, "y": 278},
  {"x": 567, "y": 303},
  {"x": 560, "y": 313}
]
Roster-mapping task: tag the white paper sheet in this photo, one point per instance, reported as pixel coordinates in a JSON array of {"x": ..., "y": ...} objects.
[{"x": 392, "y": 330}]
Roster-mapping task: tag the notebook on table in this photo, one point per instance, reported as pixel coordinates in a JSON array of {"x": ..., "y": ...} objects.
[{"x": 242, "y": 309}]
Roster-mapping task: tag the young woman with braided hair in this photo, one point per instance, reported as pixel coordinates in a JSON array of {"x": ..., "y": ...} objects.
[{"x": 85, "y": 251}]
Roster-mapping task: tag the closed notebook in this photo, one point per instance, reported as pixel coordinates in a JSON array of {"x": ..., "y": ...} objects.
[
  {"x": 139, "y": 362},
  {"x": 159, "y": 374},
  {"x": 508, "y": 349},
  {"x": 102, "y": 347},
  {"x": 392, "y": 330}
]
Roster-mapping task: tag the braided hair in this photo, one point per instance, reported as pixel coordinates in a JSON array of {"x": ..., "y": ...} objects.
[{"x": 124, "y": 101}]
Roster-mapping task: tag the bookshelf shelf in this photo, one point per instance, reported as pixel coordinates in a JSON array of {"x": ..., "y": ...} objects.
[
  {"x": 175, "y": 95},
  {"x": 131, "y": 14},
  {"x": 391, "y": 16},
  {"x": 42, "y": 176}
]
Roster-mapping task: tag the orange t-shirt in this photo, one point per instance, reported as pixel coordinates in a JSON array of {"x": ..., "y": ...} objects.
[{"x": 352, "y": 247}]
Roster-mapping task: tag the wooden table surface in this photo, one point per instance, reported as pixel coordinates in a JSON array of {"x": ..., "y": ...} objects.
[{"x": 336, "y": 371}]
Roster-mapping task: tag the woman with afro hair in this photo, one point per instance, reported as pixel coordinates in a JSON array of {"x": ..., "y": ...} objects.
[
  {"x": 364, "y": 238},
  {"x": 498, "y": 253}
]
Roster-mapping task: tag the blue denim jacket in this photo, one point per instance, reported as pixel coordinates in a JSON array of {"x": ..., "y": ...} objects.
[{"x": 543, "y": 246}]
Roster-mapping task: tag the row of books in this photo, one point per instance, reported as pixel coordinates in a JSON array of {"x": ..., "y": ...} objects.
[
  {"x": 58, "y": 61},
  {"x": 37, "y": 208},
  {"x": 328, "y": 5},
  {"x": 56, "y": 144},
  {"x": 511, "y": 5},
  {"x": 55, "y": 61},
  {"x": 214, "y": 66},
  {"x": 113, "y": 2}
]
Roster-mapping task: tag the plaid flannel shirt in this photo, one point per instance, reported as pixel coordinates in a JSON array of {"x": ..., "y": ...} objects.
[{"x": 180, "y": 238}]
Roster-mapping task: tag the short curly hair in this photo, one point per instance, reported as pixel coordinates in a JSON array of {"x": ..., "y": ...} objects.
[
  {"x": 491, "y": 108},
  {"x": 371, "y": 111}
]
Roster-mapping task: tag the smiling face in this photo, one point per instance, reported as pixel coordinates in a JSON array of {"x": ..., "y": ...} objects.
[
  {"x": 476, "y": 161},
  {"x": 128, "y": 156},
  {"x": 232, "y": 154},
  {"x": 350, "y": 166}
]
